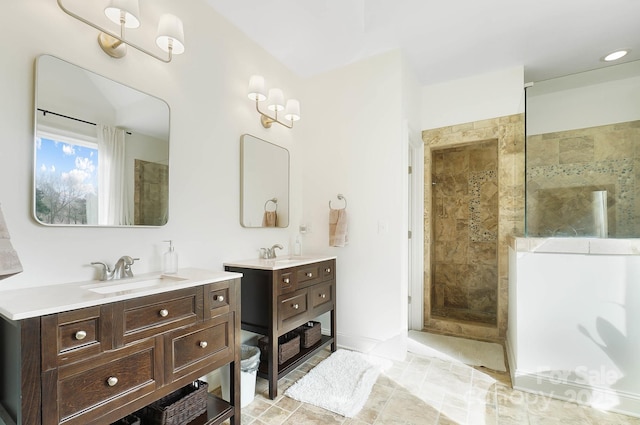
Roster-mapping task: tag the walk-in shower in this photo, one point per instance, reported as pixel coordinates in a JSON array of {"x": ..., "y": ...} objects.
[
  {"x": 474, "y": 201},
  {"x": 464, "y": 258}
]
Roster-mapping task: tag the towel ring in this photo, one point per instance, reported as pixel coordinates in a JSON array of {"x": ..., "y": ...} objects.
[
  {"x": 342, "y": 198},
  {"x": 275, "y": 203}
]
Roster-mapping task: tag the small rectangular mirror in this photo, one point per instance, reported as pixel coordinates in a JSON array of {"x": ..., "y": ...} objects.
[
  {"x": 264, "y": 183},
  {"x": 101, "y": 150}
]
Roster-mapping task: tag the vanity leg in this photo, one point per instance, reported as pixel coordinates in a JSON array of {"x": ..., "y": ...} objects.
[
  {"x": 273, "y": 366},
  {"x": 334, "y": 334}
]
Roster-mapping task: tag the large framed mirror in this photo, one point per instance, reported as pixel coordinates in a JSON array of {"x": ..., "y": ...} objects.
[
  {"x": 101, "y": 150},
  {"x": 264, "y": 183}
]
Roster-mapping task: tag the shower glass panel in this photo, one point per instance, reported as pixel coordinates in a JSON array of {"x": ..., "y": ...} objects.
[{"x": 583, "y": 154}]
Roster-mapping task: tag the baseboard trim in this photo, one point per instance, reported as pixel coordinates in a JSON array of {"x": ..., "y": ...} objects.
[
  {"x": 601, "y": 398},
  {"x": 392, "y": 348}
]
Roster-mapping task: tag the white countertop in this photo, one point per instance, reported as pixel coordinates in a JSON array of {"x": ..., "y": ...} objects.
[
  {"x": 279, "y": 262},
  {"x": 18, "y": 304}
]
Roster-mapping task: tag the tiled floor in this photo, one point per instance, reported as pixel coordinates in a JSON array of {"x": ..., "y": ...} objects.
[{"x": 427, "y": 391}]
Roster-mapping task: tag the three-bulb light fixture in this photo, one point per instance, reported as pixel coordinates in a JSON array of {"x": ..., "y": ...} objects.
[
  {"x": 275, "y": 103},
  {"x": 126, "y": 14}
]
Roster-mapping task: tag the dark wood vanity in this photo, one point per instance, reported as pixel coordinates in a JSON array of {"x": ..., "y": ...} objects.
[
  {"x": 95, "y": 365},
  {"x": 277, "y": 299}
]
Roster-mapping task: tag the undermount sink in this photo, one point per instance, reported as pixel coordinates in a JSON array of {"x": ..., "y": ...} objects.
[
  {"x": 285, "y": 260},
  {"x": 129, "y": 284}
]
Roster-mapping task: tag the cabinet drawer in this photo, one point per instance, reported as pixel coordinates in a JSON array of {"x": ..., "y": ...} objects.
[
  {"x": 285, "y": 281},
  {"x": 219, "y": 299},
  {"x": 75, "y": 335},
  {"x": 200, "y": 346},
  {"x": 328, "y": 269},
  {"x": 148, "y": 316},
  {"x": 321, "y": 296},
  {"x": 292, "y": 308},
  {"x": 308, "y": 275},
  {"x": 98, "y": 387}
]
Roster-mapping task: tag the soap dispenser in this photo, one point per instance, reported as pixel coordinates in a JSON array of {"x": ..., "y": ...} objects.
[
  {"x": 170, "y": 260},
  {"x": 297, "y": 247}
]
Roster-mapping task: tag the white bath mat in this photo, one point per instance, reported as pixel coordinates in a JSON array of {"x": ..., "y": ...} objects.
[
  {"x": 341, "y": 383},
  {"x": 467, "y": 351}
]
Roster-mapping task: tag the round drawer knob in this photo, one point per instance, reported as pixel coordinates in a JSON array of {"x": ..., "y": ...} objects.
[
  {"x": 309, "y": 274},
  {"x": 219, "y": 298},
  {"x": 112, "y": 381},
  {"x": 296, "y": 306},
  {"x": 285, "y": 280},
  {"x": 80, "y": 335},
  {"x": 327, "y": 270},
  {"x": 164, "y": 312},
  {"x": 203, "y": 344},
  {"x": 323, "y": 295}
]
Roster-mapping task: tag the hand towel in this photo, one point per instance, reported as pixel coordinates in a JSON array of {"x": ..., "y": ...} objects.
[
  {"x": 9, "y": 261},
  {"x": 269, "y": 219},
  {"x": 338, "y": 227}
]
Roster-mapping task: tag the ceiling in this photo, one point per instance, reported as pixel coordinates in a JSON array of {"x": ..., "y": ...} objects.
[{"x": 442, "y": 40}]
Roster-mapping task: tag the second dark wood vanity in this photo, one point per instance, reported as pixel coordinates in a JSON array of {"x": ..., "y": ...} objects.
[{"x": 278, "y": 297}]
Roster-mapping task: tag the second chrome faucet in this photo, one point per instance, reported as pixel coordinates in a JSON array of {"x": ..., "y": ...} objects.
[
  {"x": 269, "y": 253},
  {"x": 121, "y": 270}
]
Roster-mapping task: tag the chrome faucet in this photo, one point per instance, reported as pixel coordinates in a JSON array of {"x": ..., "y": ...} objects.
[
  {"x": 269, "y": 253},
  {"x": 121, "y": 270}
]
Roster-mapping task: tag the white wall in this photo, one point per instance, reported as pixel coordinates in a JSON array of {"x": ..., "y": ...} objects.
[
  {"x": 576, "y": 336},
  {"x": 589, "y": 99},
  {"x": 353, "y": 145},
  {"x": 349, "y": 141},
  {"x": 206, "y": 91},
  {"x": 492, "y": 95}
]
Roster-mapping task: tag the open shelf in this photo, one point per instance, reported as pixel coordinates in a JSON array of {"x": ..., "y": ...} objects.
[
  {"x": 218, "y": 411},
  {"x": 297, "y": 360}
]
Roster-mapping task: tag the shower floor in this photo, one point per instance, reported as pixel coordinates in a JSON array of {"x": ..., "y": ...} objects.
[{"x": 464, "y": 315}]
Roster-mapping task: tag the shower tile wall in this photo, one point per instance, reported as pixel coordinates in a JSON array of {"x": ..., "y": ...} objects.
[
  {"x": 509, "y": 133},
  {"x": 465, "y": 217},
  {"x": 563, "y": 168}
]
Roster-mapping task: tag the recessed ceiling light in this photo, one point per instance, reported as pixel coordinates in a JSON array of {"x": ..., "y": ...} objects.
[{"x": 615, "y": 55}]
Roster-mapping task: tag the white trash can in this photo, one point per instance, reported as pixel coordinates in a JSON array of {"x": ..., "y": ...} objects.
[{"x": 250, "y": 360}]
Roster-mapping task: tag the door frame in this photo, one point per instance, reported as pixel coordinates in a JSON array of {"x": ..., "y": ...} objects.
[{"x": 415, "y": 192}]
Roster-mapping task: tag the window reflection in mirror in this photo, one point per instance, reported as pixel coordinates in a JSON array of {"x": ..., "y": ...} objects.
[
  {"x": 264, "y": 182},
  {"x": 101, "y": 150},
  {"x": 582, "y": 156}
]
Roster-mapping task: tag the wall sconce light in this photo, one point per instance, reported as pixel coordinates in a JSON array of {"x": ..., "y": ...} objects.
[
  {"x": 170, "y": 36},
  {"x": 275, "y": 103}
]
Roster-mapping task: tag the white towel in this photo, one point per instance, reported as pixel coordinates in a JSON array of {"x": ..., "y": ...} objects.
[
  {"x": 9, "y": 261},
  {"x": 338, "y": 227}
]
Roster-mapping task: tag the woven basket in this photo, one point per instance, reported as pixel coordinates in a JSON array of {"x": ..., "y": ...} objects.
[
  {"x": 179, "y": 407},
  {"x": 288, "y": 346},
  {"x": 310, "y": 334}
]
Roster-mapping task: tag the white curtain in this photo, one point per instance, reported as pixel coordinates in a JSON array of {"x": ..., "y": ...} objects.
[{"x": 113, "y": 202}]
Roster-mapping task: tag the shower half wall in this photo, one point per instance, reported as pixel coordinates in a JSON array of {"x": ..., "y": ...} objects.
[{"x": 471, "y": 239}]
